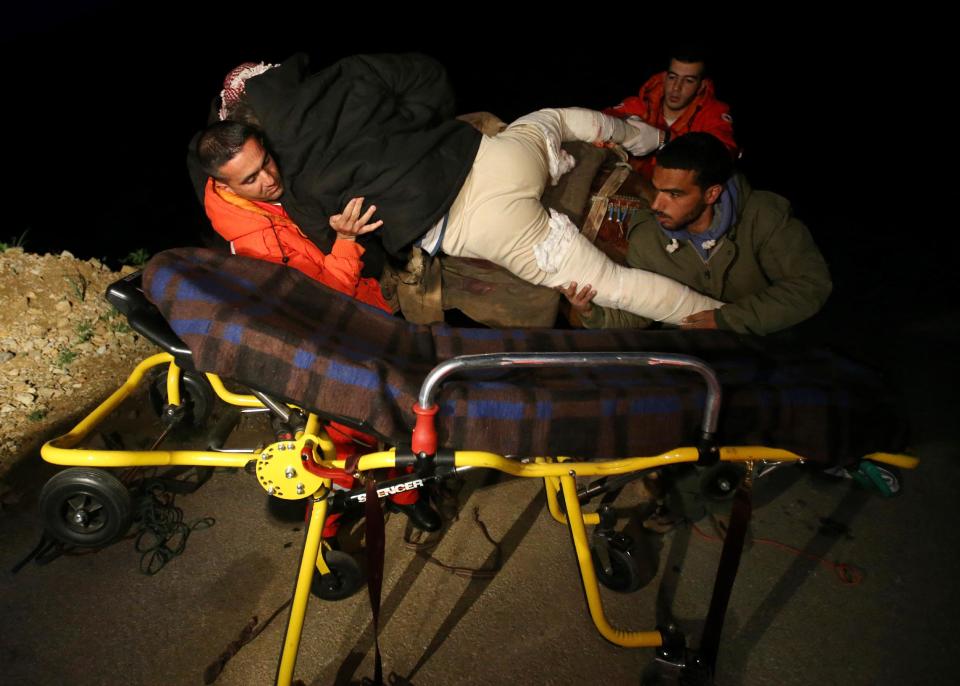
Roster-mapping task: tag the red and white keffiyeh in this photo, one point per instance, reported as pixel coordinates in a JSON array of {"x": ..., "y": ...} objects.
[{"x": 235, "y": 82}]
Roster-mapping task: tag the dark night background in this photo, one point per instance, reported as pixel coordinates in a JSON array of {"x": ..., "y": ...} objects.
[{"x": 101, "y": 100}]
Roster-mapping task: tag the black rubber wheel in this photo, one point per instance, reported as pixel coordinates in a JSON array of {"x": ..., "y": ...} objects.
[
  {"x": 85, "y": 507},
  {"x": 625, "y": 575},
  {"x": 196, "y": 397},
  {"x": 345, "y": 577},
  {"x": 720, "y": 481}
]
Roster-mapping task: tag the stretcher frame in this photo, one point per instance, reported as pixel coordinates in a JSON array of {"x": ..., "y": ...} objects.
[{"x": 309, "y": 466}]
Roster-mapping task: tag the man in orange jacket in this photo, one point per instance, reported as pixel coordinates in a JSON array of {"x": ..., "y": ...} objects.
[
  {"x": 242, "y": 201},
  {"x": 677, "y": 101}
]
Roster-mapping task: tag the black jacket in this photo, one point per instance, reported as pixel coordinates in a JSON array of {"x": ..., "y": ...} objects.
[{"x": 377, "y": 126}]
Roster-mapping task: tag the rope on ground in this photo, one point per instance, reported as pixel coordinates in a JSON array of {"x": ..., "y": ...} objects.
[
  {"x": 848, "y": 574},
  {"x": 49, "y": 549},
  {"x": 421, "y": 548},
  {"x": 162, "y": 534}
]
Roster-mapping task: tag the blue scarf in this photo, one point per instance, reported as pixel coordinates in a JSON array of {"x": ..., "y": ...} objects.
[{"x": 724, "y": 214}]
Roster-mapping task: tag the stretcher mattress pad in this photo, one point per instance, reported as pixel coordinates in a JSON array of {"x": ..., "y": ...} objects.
[{"x": 274, "y": 329}]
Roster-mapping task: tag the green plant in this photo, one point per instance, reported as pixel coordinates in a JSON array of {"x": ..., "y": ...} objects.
[
  {"x": 137, "y": 258},
  {"x": 37, "y": 415},
  {"x": 66, "y": 357},
  {"x": 114, "y": 323},
  {"x": 85, "y": 331},
  {"x": 79, "y": 285},
  {"x": 15, "y": 241}
]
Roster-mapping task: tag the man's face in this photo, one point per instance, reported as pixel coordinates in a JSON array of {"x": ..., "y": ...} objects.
[
  {"x": 679, "y": 203},
  {"x": 682, "y": 84},
  {"x": 253, "y": 173}
]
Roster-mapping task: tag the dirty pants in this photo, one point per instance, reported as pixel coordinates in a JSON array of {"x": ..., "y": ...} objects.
[{"x": 497, "y": 216}]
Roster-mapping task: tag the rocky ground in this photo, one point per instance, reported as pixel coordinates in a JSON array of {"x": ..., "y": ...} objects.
[{"x": 63, "y": 348}]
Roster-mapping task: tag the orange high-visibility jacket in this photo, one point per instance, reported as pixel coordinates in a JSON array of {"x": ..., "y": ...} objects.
[
  {"x": 705, "y": 113},
  {"x": 265, "y": 231}
]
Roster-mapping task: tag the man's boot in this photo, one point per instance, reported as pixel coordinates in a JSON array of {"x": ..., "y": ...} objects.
[{"x": 420, "y": 514}]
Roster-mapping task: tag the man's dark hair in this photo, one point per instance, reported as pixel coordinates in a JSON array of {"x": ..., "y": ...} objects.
[
  {"x": 221, "y": 142},
  {"x": 688, "y": 54},
  {"x": 702, "y": 153}
]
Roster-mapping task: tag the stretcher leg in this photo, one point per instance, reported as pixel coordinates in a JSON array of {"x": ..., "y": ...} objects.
[
  {"x": 551, "y": 485},
  {"x": 628, "y": 639},
  {"x": 301, "y": 594}
]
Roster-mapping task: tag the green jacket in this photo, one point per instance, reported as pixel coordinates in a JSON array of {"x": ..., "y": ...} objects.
[{"x": 766, "y": 267}]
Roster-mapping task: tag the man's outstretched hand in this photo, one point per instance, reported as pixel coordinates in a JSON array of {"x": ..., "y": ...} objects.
[
  {"x": 350, "y": 224},
  {"x": 700, "y": 320},
  {"x": 582, "y": 301}
]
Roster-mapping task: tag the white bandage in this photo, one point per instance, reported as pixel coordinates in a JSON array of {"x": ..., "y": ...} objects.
[
  {"x": 550, "y": 125},
  {"x": 571, "y": 257},
  {"x": 553, "y": 250}
]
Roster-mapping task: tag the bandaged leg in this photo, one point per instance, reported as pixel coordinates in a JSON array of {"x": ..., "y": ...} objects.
[
  {"x": 498, "y": 217},
  {"x": 573, "y": 124},
  {"x": 566, "y": 256}
]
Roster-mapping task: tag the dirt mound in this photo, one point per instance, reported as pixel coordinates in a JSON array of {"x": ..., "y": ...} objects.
[{"x": 63, "y": 348}]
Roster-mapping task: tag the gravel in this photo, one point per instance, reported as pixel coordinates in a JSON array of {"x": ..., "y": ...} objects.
[{"x": 63, "y": 348}]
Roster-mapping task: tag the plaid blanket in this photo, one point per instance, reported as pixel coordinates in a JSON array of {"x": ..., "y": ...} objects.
[{"x": 276, "y": 330}]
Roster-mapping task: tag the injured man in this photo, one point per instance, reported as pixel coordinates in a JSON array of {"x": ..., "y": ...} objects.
[{"x": 381, "y": 128}]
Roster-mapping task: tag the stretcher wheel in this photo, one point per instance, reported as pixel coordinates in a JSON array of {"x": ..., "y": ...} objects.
[
  {"x": 345, "y": 577},
  {"x": 720, "y": 481},
  {"x": 196, "y": 398},
  {"x": 882, "y": 477},
  {"x": 85, "y": 507},
  {"x": 625, "y": 574}
]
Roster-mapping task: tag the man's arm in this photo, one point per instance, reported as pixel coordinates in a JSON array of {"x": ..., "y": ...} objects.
[
  {"x": 800, "y": 283},
  {"x": 340, "y": 269},
  {"x": 715, "y": 119}
]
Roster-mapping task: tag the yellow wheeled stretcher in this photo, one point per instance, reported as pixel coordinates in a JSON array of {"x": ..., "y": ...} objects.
[{"x": 86, "y": 505}]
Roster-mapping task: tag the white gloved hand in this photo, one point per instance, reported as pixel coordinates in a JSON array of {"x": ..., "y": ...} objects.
[{"x": 639, "y": 137}]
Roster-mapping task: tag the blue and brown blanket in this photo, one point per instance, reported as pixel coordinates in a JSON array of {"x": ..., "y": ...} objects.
[{"x": 274, "y": 329}]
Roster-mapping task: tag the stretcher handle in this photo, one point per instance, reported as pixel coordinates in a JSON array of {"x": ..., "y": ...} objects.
[{"x": 463, "y": 363}]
